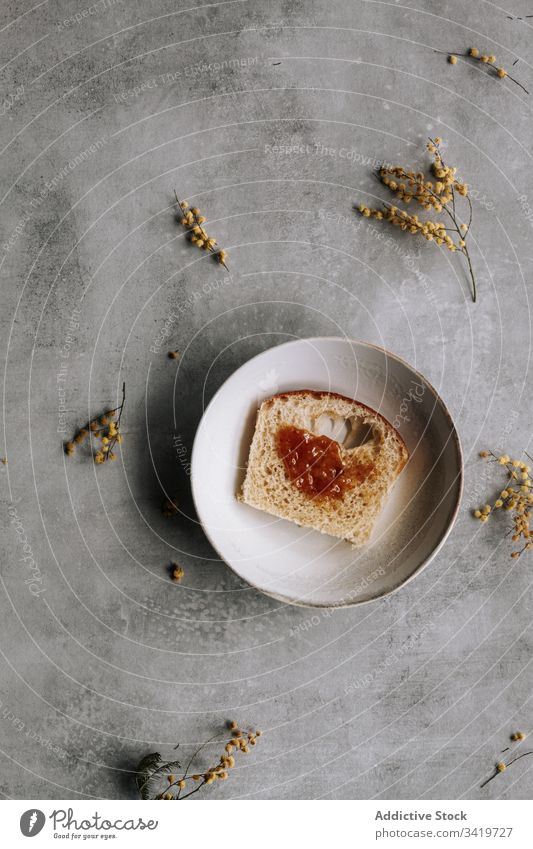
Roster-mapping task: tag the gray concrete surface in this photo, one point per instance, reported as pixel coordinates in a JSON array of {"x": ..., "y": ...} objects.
[{"x": 269, "y": 116}]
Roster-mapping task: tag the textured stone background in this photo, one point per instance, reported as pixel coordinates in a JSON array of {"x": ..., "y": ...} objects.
[{"x": 411, "y": 697}]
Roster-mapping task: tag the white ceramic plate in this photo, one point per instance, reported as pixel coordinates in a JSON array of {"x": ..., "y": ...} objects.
[{"x": 300, "y": 566}]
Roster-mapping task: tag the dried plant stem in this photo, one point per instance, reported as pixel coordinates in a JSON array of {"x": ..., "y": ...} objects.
[
  {"x": 507, "y": 765},
  {"x": 472, "y": 276},
  {"x": 456, "y": 228},
  {"x": 100, "y": 427},
  {"x": 197, "y": 224},
  {"x": 468, "y": 56},
  {"x": 118, "y": 410},
  {"x": 152, "y": 766},
  {"x": 195, "y": 755}
]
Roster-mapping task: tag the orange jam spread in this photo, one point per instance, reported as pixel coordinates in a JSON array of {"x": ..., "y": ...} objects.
[{"x": 314, "y": 463}]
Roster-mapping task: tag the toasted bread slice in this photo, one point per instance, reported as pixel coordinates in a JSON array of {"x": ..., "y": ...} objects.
[{"x": 323, "y": 461}]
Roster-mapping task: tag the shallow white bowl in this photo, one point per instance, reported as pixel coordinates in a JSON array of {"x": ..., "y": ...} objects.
[{"x": 300, "y": 566}]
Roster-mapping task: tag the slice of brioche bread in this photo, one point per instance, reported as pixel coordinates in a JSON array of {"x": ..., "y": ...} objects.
[{"x": 323, "y": 461}]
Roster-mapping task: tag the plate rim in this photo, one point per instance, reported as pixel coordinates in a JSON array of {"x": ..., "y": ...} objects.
[{"x": 459, "y": 478}]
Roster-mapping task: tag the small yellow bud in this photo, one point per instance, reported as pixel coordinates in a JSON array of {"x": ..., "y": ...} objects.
[{"x": 474, "y": 52}]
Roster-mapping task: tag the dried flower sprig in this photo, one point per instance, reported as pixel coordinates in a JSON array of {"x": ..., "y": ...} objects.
[
  {"x": 439, "y": 195},
  {"x": 488, "y": 60},
  {"x": 176, "y": 572},
  {"x": 501, "y": 766},
  {"x": 105, "y": 428},
  {"x": 193, "y": 220},
  {"x": 157, "y": 779},
  {"x": 170, "y": 507},
  {"x": 516, "y": 498}
]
